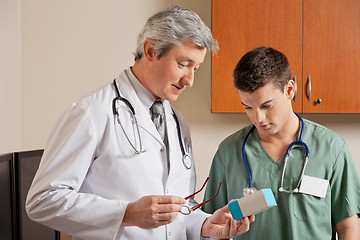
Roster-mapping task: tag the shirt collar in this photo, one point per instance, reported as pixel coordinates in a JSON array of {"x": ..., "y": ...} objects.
[{"x": 145, "y": 97}]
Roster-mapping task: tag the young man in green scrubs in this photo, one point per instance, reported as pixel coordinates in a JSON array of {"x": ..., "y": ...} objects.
[{"x": 263, "y": 79}]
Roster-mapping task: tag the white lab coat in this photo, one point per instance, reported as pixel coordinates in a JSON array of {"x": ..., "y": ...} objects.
[{"x": 89, "y": 172}]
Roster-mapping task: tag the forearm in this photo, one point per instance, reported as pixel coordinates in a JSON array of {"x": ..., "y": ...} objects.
[
  {"x": 349, "y": 228},
  {"x": 205, "y": 230},
  {"x": 194, "y": 223},
  {"x": 221, "y": 225},
  {"x": 349, "y": 236},
  {"x": 76, "y": 214}
]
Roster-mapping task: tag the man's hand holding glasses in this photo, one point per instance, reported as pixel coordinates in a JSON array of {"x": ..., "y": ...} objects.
[
  {"x": 154, "y": 211},
  {"x": 221, "y": 224},
  {"x": 186, "y": 210}
]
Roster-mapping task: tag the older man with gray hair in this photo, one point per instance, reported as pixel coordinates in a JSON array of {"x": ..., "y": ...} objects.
[{"x": 118, "y": 164}]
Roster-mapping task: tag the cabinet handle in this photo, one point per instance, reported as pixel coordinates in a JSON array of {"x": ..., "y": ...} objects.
[
  {"x": 295, "y": 88},
  {"x": 309, "y": 87}
]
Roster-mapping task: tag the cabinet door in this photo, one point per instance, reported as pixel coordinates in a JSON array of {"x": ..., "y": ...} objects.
[
  {"x": 331, "y": 56},
  {"x": 240, "y": 26}
]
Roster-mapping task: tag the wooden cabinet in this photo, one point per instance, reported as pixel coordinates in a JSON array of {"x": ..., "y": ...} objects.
[{"x": 320, "y": 38}]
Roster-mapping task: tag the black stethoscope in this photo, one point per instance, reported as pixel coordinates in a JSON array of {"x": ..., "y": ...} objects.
[
  {"x": 186, "y": 159},
  {"x": 251, "y": 189}
]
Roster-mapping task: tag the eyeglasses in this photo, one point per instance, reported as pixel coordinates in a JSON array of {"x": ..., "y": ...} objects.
[{"x": 186, "y": 210}]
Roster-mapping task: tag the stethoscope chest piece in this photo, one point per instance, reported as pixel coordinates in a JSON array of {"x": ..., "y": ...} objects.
[
  {"x": 247, "y": 191},
  {"x": 187, "y": 161},
  {"x": 184, "y": 146}
]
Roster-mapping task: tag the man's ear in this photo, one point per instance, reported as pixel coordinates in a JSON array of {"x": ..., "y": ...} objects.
[
  {"x": 290, "y": 89},
  {"x": 149, "y": 52}
]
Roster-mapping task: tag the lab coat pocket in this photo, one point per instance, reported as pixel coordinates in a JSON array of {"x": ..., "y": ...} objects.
[{"x": 308, "y": 208}]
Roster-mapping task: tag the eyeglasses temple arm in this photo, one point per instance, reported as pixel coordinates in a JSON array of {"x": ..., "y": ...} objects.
[
  {"x": 207, "y": 179},
  {"x": 203, "y": 203}
]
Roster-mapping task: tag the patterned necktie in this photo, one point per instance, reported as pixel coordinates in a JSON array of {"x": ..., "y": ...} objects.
[{"x": 157, "y": 116}]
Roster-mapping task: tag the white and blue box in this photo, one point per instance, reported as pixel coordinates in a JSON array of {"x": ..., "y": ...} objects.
[{"x": 252, "y": 204}]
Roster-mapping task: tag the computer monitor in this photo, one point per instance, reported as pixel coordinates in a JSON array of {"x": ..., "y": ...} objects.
[
  {"x": 27, "y": 164},
  {"x": 7, "y": 198}
]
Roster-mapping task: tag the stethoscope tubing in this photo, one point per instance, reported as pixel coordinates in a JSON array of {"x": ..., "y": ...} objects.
[
  {"x": 300, "y": 142},
  {"x": 124, "y": 100},
  {"x": 244, "y": 156},
  {"x": 132, "y": 112},
  {"x": 183, "y": 152}
]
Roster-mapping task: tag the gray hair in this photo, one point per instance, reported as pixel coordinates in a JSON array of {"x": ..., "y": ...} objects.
[{"x": 170, "y": 27}]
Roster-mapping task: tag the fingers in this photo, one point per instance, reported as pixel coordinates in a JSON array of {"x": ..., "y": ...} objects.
[
  {"x": 221, "y": 225},
  {"x": 225, "y": 231},
  {"x": 233, "y": 228},
  {"x": 166, "y": 199},
  {"x": 168, "y": 205},
  {"x": 163, "y": 204},
  {"x": 245, "y": 224},
  {"x": 167, "y": 208},
  {"x": 237, "y": 230},
  {"x": 164, "y": 209},
  {"x": 226, "y": 208},
  {"x": 170, "y": 216},
  {"x": 152, "y": 211}
]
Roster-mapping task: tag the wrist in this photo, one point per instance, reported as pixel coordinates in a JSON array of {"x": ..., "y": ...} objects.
[
  {"x": 127, "y": 216},
  {"x": 205, "y": 230}
]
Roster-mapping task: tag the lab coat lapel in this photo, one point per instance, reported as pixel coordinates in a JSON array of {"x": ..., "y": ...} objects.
[{"x": 142, "y": 115}]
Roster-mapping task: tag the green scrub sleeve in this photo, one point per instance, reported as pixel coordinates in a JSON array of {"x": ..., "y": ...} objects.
[
  {"x": 345, "y": 187},
  {"x": 216, "y": 175}
]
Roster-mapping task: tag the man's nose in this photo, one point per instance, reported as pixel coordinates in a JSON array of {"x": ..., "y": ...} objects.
[
  {"x": 259, "y": 116},
  {"x": 188, "y": 79}
]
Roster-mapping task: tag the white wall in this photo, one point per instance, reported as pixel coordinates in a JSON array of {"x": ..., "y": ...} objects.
[
  {"x": 10, "y": 94},
  {"x": 71, "y": 48}
]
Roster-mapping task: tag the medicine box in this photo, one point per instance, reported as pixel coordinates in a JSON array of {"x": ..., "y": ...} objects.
[{"x": 252, "y": 204}]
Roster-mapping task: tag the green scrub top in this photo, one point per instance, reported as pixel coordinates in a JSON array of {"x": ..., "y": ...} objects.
[{"x": 297, "y": 216}]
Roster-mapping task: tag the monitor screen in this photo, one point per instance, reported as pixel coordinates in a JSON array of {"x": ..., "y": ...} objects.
[
  {"x": 6, "y": 198},
  {"x": 27, "y": 165}
]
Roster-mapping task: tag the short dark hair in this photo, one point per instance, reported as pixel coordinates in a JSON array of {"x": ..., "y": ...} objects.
[{"x": 259, "y": 67}]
